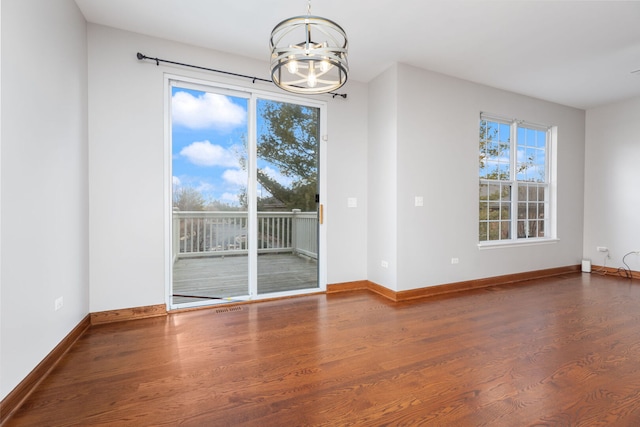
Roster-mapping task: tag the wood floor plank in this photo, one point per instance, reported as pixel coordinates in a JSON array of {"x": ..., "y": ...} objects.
[{"x": 561, "y": 351}]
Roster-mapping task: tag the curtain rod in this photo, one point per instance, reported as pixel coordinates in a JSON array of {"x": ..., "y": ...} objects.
[{"x": 141, "y": 56}]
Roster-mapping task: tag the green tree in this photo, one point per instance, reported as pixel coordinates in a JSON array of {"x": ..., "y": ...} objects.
[
  {"x": 491, "y": 149},
  {"x": 290, "y": 143}
]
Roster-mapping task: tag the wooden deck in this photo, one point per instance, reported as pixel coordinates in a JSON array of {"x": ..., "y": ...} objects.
[{"x": 199, "y": 279}]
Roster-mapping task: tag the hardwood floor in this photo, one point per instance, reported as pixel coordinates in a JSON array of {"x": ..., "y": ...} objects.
[{"x": 563, "y": 351}]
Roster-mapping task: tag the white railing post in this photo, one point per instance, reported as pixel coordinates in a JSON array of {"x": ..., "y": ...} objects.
[
  {"x": 176, "y": 235},
  {"x": 294, "y": 230}
]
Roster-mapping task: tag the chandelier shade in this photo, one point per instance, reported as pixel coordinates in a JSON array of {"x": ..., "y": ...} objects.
[{"x": 309, "y": 55}]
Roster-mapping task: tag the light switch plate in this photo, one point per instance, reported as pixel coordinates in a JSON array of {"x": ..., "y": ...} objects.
[
  {"x": 352, "y": 202},
  {"x": 419, "y": 201}
]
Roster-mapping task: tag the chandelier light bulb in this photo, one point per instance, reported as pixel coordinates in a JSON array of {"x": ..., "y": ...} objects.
[
  {"x": 312, "y": 79},
  {"x": 325, "y": 66},
  {"x": 292, "y": 66}
]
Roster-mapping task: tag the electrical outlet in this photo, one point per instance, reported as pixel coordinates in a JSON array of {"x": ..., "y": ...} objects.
[
  {"x": 59, "y": 303},
  {"x": 384, "y": 264},
  {"x": 455, "y": 260},
  {"x": 602, "y": 249}
]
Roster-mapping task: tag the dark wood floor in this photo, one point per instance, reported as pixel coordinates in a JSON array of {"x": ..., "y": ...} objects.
[{"x": 554, "y": 352}]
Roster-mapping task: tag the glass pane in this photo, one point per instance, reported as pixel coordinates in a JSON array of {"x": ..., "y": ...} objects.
[
  {"x": 531, "y": 137},
  {"x": 539, "y": 166},
  {"x": 483, "y": 130},
  {"x": 520, "y": 163},
  {"x": 494, "y": 210},
  {"x": 494, "y": 231},
  {"x": 287, "y": 174},
  {"x": 505, "y": 133},
  {"x": 483, "y": 193},
  {"x": 492, "y": 131},
  {"x": 506, "y": 192},
  {"x": 505, "y": 172},
  {"x": 505, "y": 231},
  {"x": 482, "y": 232},
  {"x": 208, "y": 136},
  {"x": 541, "y": 139},
  {"x": 484, "y": 169},
  {"x": 522, "y": 210},
  {"x": 541, "y": 191},
  {"x": 494, "y": 191},
  {"x": 522, "y": 193},
  {"x": 505, "y": 212},
  {"x": 531, "y": 156},
  {"x": 484, "y": 211},
  {"x": 491, "y": 170}
]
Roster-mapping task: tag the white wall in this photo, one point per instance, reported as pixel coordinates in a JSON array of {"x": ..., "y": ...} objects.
[
  {"x": 44, "y": 234},
  {"x": 347, "y": 178},
  {"x": 126, "y": 158},
  {"x": 437, "y": 158},
  {"x": 612, "y": 183},
  {"x": 382, "y": 179}
]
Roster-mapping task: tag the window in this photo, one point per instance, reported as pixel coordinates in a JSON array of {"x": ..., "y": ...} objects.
[{"x": 515, "y": 176}]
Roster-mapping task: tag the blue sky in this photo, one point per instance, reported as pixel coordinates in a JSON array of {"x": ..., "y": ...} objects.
[{"x": 209, "y": 134}]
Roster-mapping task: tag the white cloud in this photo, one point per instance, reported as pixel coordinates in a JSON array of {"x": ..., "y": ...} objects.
[
  {"x": 205, "y": 187},
  {"x": 231, "y": 198},
  {"x": 176, "y": 181},
  {"x": 235, "y": 176},
  {"x": 207, "y": 111},
  {"x": 204, "y": 153}
]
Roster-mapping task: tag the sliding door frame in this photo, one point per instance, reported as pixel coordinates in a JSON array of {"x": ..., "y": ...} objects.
[{"x": 252, "y": 95}]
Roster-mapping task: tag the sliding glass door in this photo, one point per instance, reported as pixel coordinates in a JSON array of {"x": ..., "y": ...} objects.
[
  {"x": 287, "y": 191},
  {"x": 244, "y": 195}
]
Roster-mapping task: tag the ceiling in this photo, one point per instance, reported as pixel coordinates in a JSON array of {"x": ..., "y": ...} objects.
[{"x": 576, "y": 53}]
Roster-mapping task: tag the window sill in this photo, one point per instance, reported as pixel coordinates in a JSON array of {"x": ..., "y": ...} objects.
[{"x": 513, "y": 243}]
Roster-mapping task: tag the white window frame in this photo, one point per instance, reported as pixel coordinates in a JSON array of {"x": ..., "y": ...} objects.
[{"x": 550, "y": 185}]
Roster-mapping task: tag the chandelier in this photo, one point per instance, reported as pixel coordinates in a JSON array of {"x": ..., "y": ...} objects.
[{"x": 308, "y": 54}]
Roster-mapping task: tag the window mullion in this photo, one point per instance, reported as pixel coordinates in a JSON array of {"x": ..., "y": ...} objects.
[{"x": 513, "y": 155}]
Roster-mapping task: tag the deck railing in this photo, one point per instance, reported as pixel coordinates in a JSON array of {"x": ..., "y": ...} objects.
[{"x": 205, "y": 233}]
